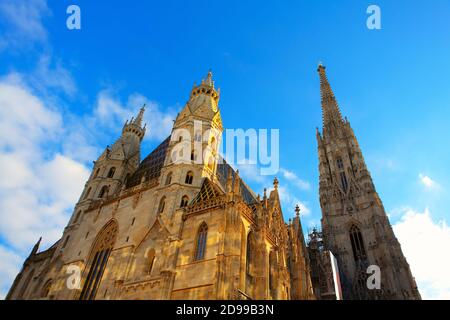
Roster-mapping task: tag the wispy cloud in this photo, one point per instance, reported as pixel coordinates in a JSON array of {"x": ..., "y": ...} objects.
[
  {"x": 22, "y": 22},
  {"x": 427, "y": 181},
  {"x": 425, "y": 244},
  {"x": 292, "y": 177}
]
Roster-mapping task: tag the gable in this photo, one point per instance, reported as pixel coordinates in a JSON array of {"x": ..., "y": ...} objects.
[{"x": 208, "y": 191}]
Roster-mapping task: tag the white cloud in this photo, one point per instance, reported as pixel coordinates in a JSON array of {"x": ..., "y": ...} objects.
[
  {"x": 252, "y": 173},
  {"x": 427, "y": 181},
  {"x": 51, "y": 75},
  {"x": 292, "y": 177},
  {"x": 110, "y": 111},
  {"x": 425, "y": 244},
  {"x": 39, "y": 186},
  {"x": 8, "y": 271},
  {"x": 23, "y": 22}
]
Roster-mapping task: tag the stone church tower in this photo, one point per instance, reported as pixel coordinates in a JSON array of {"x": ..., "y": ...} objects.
[
  {"x": 355, "y": 226},
  {"x": 180, "y": 224}
]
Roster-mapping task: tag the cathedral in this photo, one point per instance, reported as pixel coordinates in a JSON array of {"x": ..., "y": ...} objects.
[
  {"x": 182, "y": 224},
  {"x": 355, "y": 227}
]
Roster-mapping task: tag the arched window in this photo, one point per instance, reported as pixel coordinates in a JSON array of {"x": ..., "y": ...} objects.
[
  {"x": 200, "y": 247},
  {"x": 174, "y": 156},
  {"x": 340, "y": 163},
  {"x": 169, "y": 178},
  {"x": 96, "y": 173},
  {"x": 103, "y": 192},
  {"x": 150, "y": 261},
  {"x": 162, "y": 204},
  {"x": 198, "y": 136},
  {"x": 213, "y": 143},
  {"x": 87, "y": 193},
  {"x": 272, "y": 270},
  {"x": 184, "y": 201},
  {"x": 189, "y": 177},
  {"x": 46, "y": 289},
  {"x": 344, "y": 182},
  {"x": 111, "y": 172},
  {"x": 249, "y": 253},
  {"x": 359, "y": 252},
  {"x": 98, "y": 259}
]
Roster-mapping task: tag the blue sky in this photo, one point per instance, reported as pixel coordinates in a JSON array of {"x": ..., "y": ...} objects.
[{"x": 64, "y": 95}]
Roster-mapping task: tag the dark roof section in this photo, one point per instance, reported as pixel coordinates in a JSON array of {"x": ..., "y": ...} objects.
[
  {"x": 151, "y": 166},
  {"x": 208, "y": 191},
  {"x": 222, "y": 173}
]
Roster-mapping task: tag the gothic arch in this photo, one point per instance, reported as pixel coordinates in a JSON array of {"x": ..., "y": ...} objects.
[
  {"x": 46, "y": 288},
  {"x": 357, "y": 243},
  {"x": 201, "y": 241},
  {"x": 98, "y": 259},
  {"x": 150, "y": 255}
]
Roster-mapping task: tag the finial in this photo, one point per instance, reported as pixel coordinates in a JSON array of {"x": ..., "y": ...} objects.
[
  {"x": 208, "y": 81},
  {"x": 297, "y": 211},
  {"x": 138, "y": 120},
  {"x": 275, "y": 183},
  {"x": 320, "y": 66}
]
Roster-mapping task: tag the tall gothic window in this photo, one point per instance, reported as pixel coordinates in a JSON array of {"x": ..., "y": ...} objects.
[
  {"x": 340, "y": 164},
  {"x": 111, "y": 172},
  {"x": 103, "y": 192},
  {"x": 162, "y": 204},
  {"x": 200, "y": 247},
  {"x": 98, "y": 260},
  {"x": 272, "y": 267},
  {"x": 357, "y": 242},
  {"x": 249, "y": 252},
  {"x": 169, "y": 178},
  {"x": 189, "y": 177},
  {"x": 344, "y": 182},
  {"x": 150, "y": 260},
  {"x": 198, "y": 136},
  {"x": 46, "y": 289},
  {"x": 184, "y": 201}
]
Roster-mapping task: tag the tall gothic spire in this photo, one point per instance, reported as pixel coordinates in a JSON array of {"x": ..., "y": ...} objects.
[
  {"x": 140, "y": 117},
  {"x": 330, "y": 108},
  {"x": 209, "y": 81}
]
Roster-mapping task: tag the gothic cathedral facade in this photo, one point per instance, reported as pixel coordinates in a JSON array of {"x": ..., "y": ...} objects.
[
  {"x": 176, "y": 225},
  {"x": 355, "y": 227}
]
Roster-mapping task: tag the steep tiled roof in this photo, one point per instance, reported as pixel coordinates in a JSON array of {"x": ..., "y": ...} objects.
[
  {"x": 222, "y": 173},
  {"x": 151, "y": 166}
]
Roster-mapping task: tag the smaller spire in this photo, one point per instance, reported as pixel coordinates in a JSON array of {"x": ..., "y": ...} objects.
[
  {"x": 209, "y": 81},
  {"x": 36, "y": 247},
  {"x": 140, "y": 117},
  {"x": 229, "y": 181},
  {"x": 275, "y": 183},
  {"x": 237, "y": 183},
  {"x": 297, "y": 211}
]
